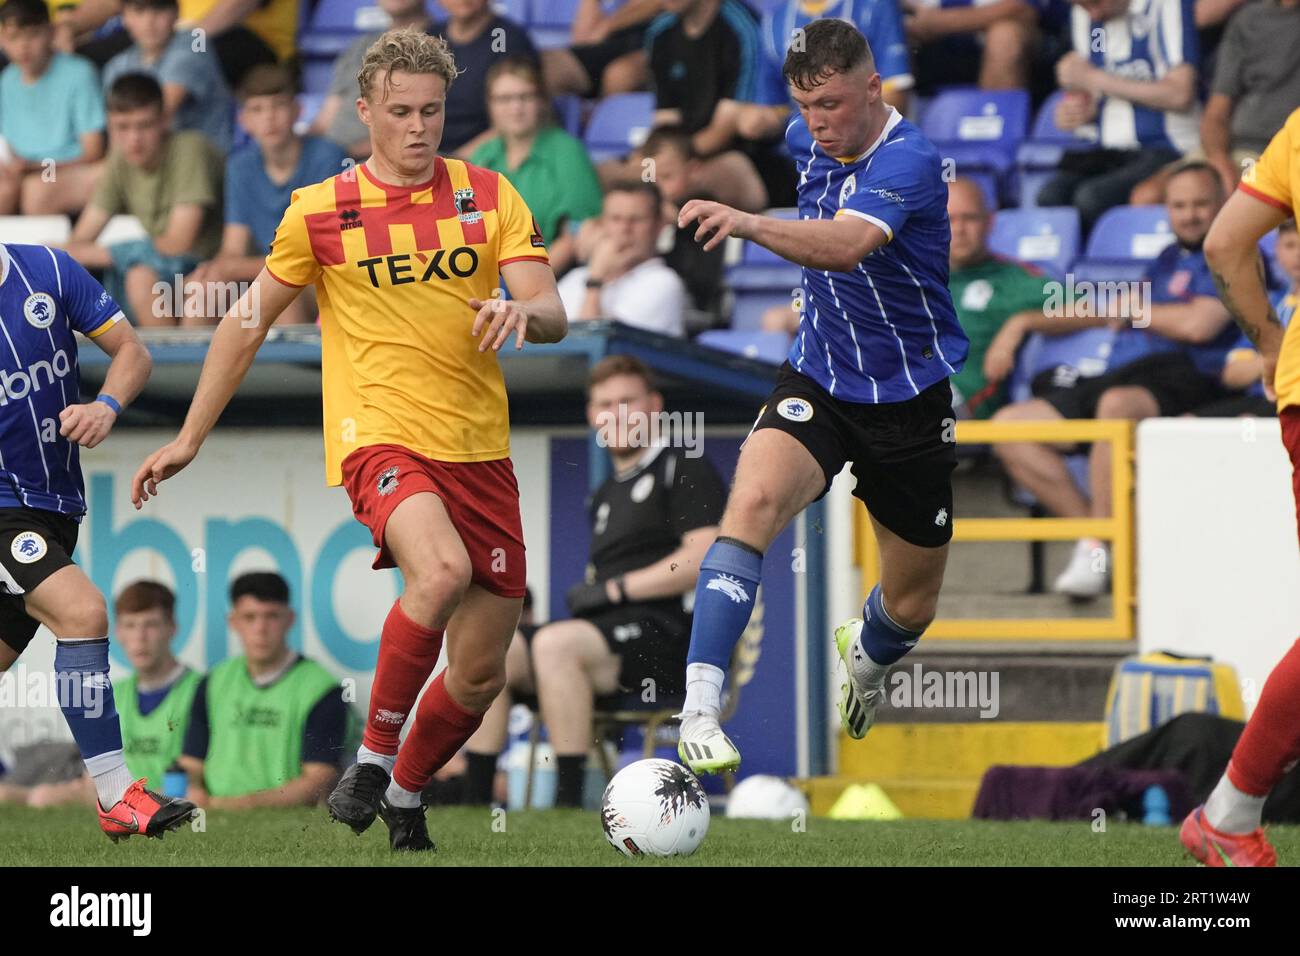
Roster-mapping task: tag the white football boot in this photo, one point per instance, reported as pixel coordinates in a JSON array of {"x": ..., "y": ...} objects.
[
  {"x": 858, "y": 702},
  {"x": 703, "y": 747}
]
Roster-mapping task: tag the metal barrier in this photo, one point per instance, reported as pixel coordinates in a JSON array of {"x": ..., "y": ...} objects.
[{"x": 1117, "y": 529}]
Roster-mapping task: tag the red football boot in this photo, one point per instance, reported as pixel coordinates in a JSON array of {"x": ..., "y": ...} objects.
[
  {"x": 1216, "y": 848},
  {"x": 143, "y": 812}
]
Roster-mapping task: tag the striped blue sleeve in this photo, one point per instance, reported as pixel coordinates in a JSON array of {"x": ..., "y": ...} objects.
[
  {"x": 1175, "y": 32},
  {"x": 89, "y": 308},
  {"x": 897, "y": 183},
  {"x": 771, "y": 89}
]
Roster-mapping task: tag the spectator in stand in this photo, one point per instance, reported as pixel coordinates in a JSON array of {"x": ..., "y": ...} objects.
[
  {"x": 960, "y": 42},
  {"x": 608, "y": 53},
  {"x": 677, "y": 173},
  {"x": 195, "y": 95},
  {"x": 260, "y": 181},
  {"x": 290, "y": 754},
  {"x": 704, "y": 59},
  {"x": 652, "y": 521},
  {"x": 999, "y": 302},
  {"x": 625, "y": 279},
  {"x": 1167, "y": 358},
  {"x": 242, "y": 33},
  {"x": 1143, "y": 96},
  {"x": 170, "y": 181},
  {"x": 478, "y": 37},
  {"x": 51, "y": 118},
  {"x": 550, "y": 168},
  {"x": 1256, "y": 85},
  {"x": 337, "y": 119}
]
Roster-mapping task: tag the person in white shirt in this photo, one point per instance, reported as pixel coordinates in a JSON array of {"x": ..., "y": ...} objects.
[{"x": 624, "y": 279}]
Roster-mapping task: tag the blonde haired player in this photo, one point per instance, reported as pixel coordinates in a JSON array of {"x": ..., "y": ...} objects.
[
  {"x": 1226, "y": 831},
  {"x": 406, "y": 252}
]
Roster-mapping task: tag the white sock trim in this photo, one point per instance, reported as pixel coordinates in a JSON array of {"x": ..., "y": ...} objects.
[
  {"x": 366, "y": 755},
  {"x": 1233, "y": 811},
  {"x": 111, "y": 777},
  {"x": 399, "y": 796}
]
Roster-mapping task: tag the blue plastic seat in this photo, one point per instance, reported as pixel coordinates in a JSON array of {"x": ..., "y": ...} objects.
[
  {"x": 1123, "y": 242},
  {"x": 770, "y": 347},
  {"x": 1047, "y": 236},
  {"x": 618, "y": 125},
  {"x": 977, "y": 129},
  {"x": 550, "y": 22}
]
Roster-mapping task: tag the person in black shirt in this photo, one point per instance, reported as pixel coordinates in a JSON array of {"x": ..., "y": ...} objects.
[
  {"x": 477, "y": 37},
  {"x": 651, "y": 523}
]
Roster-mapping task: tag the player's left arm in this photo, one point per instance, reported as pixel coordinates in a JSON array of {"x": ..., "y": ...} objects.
[
  {"x": 89, "y": 424},
  {"x": 1232, "y": 252},
  {"x": 836, "y": 245}
]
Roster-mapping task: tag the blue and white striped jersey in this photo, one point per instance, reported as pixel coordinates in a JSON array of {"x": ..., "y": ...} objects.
[
  {"x": 44, "y": 295},
  {"x": 887, "y": 330},
  {"x": 1144, "y": 43}
]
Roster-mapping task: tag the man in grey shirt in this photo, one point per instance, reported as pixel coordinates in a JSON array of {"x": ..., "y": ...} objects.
[
  {"x": 195, "y": 95},
  {"x": 1256, "y": 85}
]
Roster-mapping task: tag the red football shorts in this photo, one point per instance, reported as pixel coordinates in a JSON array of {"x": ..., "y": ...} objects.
[
  {"x": 481, "y": 497},
  {"x": 1290, "y": 418}
]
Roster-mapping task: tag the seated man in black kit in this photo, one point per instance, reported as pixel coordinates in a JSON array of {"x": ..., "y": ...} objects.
[{"x": 651, "y": 523}]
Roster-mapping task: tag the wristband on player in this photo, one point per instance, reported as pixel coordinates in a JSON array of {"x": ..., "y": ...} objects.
[
  {"x": 621, "y": 589},
  {"x": 110, "y": 401}
]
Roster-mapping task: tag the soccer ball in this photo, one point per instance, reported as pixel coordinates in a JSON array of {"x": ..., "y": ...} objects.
[
  {"x": 764, "y": 797},
  {"x": 655, "y": 808}
]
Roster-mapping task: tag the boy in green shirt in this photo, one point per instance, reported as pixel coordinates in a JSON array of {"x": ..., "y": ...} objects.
[{"x": 267, "y": 729}]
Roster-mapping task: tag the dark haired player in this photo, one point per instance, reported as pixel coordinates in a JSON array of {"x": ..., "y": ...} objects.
[
  {"x": 866, "y": 381},
  {"x": 44, "y": 297}
]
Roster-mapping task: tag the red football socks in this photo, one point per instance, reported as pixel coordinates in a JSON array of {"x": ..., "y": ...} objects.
[
  {"x": 441, "y": 728},
  {"x": 407, "y": 655}
]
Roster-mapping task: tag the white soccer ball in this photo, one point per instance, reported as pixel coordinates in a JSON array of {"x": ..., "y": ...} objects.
[
  {"x": 655, "y": 808},
  {"x": 764, "y": 797}
]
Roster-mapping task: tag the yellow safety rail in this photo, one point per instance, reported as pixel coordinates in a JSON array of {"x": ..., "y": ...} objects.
[{"x": 1117, "y": 529}]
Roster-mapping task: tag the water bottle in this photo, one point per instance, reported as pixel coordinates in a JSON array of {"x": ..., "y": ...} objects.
[
  {"x": 175, "y": 781},
  {"x": 1155, "y": 807}
]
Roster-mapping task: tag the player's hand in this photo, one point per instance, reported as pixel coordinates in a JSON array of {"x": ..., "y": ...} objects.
[
  {"x": 1073, "y": 72},
  {"x": 717, "y": 222},
  {"x": 496, "y": 319},
  {"x": 87, "y": 424},
  {"x": 161, "y": 465},
  {"x": 1270, "y": 370}
]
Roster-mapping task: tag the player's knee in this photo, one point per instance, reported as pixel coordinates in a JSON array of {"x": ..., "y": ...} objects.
[
  {"x": 476, "y": 687},
  {"x": 84, "y": 616},
  {"x": 439, "y": 584},
  {"x": 753, "y": 508}
]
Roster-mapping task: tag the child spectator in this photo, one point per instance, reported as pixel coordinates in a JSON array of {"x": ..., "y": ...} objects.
[
  {"x": 260, "y": 180},
  {"x": 170, "y": 181},
  {"x": 51, "y": 117},
  {"x": 195, "y": 95}
]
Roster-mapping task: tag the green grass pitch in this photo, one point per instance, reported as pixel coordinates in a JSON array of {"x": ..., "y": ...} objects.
[{"x": 69, "y": 836}]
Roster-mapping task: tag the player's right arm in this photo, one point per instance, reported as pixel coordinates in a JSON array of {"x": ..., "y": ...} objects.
[
  {"x": 1260, "y": 204},
  {"x": 234, "y": 345}
]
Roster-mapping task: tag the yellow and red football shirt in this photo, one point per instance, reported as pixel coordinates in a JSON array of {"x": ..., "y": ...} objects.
[
  {"x": 1275, "y": 179},
  {"x": 394, "y": 269}
]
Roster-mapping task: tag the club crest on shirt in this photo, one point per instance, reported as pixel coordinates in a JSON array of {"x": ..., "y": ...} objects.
[
  {"x": 28, "y": 547},
  {"x": 387, "y": 483},
  {"x": 1179, "y": 283},
  {"x": 466, "y": 208},
  {"x": 39, "y": 309},
  {"x": 795, "y": 409},
  {"x": 641, "y": 490},
  {"x": 849, "y": 187}
]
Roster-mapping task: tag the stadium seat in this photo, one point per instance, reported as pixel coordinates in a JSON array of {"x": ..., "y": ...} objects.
[
  {"x": 334, "y": 24},
  {"x": 1081, "y": 354},
  {"x": 568, "y": 113},
  {"x": 618, "y": 125},
  {"x": 309, "y": 105},
  {"x": 1047, "y": 142},
  {"x": 977, "y": 129},
  {"x": 770, "y": 347},
  {"x": 316, "y": 74},
  {"x": 36, "y": 230},
  {"x": 1123, "y": 241},
  {"x": 1047, "y": 237},
  {"x": 550, "y": 22}
]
